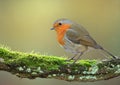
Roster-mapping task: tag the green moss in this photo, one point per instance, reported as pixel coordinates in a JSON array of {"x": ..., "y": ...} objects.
[
  {"x": 88, "y": 62},
  {"x": 31, "y": 65},
  {"x": 37, "y": 60},
  {"x": 118, "y": 69}
]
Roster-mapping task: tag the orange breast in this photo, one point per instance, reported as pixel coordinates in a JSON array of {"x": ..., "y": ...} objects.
[{"x": 61, "y": 32}]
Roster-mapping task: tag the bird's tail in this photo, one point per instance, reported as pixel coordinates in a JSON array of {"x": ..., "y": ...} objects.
[{"x": 100, "y": 47}]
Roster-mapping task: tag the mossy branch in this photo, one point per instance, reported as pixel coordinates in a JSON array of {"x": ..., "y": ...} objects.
[{"x": 29, "y": 65}]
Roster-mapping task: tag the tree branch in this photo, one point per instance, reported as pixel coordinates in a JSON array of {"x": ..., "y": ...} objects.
[{"x": 31, "y": 65}]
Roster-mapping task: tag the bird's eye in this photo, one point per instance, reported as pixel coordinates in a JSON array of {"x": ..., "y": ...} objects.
[{"x": 60, "y": 23}]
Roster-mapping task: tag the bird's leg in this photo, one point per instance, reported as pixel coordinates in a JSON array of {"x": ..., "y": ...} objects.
[
  {"x": 72, "y": 57},
  {"x": 78, "y": 57}
]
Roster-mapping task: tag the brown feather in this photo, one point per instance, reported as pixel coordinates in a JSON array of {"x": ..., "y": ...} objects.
[{"x": 79, "y": 35}]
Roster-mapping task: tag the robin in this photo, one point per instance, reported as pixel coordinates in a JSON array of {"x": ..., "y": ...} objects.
[{"x": 75, "y": 38}]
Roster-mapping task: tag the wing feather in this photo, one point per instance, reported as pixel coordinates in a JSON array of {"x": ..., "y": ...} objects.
[{"x": 81, "y": 38}]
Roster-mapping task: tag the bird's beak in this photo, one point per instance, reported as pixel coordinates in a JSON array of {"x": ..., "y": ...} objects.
[{"x": 52, "y": 29}]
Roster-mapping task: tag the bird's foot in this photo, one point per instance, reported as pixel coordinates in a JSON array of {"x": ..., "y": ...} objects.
[
  {"x": 72, "y": 58},
  {"x": 69, "y": 59}
]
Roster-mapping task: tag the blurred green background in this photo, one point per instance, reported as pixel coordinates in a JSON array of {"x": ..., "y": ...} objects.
[{"x": 25, "y": 26}]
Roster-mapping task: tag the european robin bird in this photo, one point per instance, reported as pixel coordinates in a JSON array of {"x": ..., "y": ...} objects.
[{"x": 75, "y": 38}]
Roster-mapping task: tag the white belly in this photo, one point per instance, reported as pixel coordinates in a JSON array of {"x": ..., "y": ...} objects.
[{"x": 73, "y": 48}]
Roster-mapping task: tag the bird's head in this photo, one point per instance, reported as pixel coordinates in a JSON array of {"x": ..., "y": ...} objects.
[{"x": 61, "y": 25}]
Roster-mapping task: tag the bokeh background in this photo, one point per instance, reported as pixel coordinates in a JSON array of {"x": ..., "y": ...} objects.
[{"x": 25, "y": 26}]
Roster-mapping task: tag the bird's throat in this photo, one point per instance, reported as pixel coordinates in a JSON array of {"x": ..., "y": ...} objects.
[
  {"x": 61, "y": 32},
  {"x": 60, "y": 39}
]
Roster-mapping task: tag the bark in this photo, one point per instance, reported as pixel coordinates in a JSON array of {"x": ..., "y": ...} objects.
[{"x": 31, "y": 65}]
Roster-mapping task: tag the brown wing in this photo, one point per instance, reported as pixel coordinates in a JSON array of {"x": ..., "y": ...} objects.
[
  {"x": 78, "y": 38},
  {"x": 88, "y": 41}
]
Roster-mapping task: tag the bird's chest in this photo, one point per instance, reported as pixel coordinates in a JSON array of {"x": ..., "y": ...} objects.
[{"x": 72, "y": 47}]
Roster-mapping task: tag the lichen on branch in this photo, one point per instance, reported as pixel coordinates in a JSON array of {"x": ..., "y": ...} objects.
[{"x": 32, "y": 65}]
